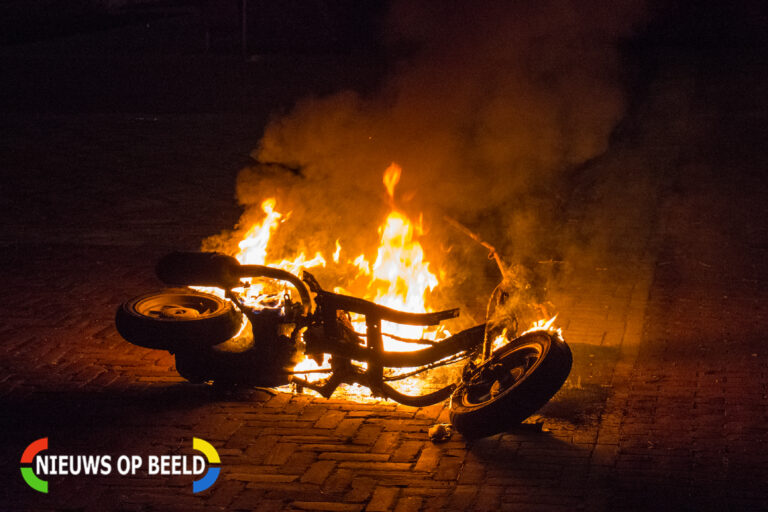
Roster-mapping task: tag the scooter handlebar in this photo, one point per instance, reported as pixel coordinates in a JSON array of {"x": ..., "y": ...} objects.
[
  {"x": 220, "y": 270},
  {"x": 198, "y": 269}
]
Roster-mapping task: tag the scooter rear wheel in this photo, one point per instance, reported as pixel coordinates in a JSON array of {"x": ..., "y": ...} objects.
[
  {"x": 515, "y": 382},
  {"x": 177, "y": 319}
]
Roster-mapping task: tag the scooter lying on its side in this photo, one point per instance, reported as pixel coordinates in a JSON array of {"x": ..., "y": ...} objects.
[{"x": 227, "y": 341}]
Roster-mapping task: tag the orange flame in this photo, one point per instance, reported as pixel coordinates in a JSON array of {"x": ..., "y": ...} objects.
[
  {"x": 253, "y": 246},
  {"x": 391, "y": 179},
  {"x": 539, "y": 325}
]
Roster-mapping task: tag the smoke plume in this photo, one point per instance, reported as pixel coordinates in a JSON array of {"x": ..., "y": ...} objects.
[{"x": 495, "y": 103}]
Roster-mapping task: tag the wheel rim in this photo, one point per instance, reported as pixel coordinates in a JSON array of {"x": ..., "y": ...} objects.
[
  {"x": 177, "y": 306},
  {"x": 494, "y": 379}
]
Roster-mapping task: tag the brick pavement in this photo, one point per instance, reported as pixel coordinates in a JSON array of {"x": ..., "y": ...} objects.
[
  {"x": 692, "y": 432},
  {"x": 665, "y": 407}
]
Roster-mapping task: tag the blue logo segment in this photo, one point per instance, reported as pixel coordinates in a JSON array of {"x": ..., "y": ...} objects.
[{"x": 213, "y": 458}]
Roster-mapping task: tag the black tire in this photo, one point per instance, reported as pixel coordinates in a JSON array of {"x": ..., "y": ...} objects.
[
  {"x": 177, "y": 319},
  {"x": 515, "y": 382}
]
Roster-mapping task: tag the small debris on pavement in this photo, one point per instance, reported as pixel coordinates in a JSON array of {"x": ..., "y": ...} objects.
[
  {"x": 537, "y": 426},
  {"x": 440, "y": 432}
]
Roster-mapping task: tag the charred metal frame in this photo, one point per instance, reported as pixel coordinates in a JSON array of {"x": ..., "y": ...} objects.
[
  {"x": 325, "y": 330},
  {"x": 345, "y": 345}
]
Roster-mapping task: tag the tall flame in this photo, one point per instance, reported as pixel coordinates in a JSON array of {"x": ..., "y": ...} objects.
[
  {"x": 401, "y": 277},
  {"x": 253, "y": 246},
  {"x": 391, "y": 179}
]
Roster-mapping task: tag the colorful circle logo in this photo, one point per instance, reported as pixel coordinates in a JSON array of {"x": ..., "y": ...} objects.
[
  {"x": 213, "y": 458},
  {"x": 27, "y": 458}
]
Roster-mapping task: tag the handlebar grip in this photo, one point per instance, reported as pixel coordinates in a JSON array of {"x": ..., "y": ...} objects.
[{"x": 198, "y": 269}]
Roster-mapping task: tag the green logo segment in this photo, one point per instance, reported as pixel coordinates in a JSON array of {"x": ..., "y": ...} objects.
[{"x": 27, "y": 458}]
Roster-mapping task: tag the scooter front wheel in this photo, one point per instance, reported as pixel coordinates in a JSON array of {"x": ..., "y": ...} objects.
[
  {"x": 515, "y": 382},
  {"x": 177, "y": 319}
]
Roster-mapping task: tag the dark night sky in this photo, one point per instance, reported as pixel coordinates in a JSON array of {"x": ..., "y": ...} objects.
[{"x": 31, "y": 34}]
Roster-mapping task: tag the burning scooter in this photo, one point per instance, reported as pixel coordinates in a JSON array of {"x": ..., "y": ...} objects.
[{"x": 226, "y": 341}]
